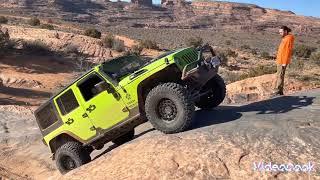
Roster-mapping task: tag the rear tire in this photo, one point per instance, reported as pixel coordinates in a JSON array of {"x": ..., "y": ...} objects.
[
  {"x": 124, "y": 138},
  {"x": 71, "y": 155},
  {"x": 169, "y": 108},
  {"x": 216, "y": 96}
]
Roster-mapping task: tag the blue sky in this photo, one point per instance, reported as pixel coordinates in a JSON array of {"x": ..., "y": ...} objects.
[{"x": 300, "y": 7}]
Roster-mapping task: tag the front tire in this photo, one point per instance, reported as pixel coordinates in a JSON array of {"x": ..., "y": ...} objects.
[
  {"x": 217, "y": 88},
  {"x": 71, "y": 155},
  {"x": 169, "y": 108},
  {"x": 124, "y": 138}
]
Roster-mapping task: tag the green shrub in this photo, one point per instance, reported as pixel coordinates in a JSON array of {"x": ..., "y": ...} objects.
[
  {"x": 71, "y": 49},
  {"x": 4, "y": 41},
  {"x": 3, "y": 20},
  {"x": 245, "y": 47},
  {"x": 118, "y": 45},
  {"x": 315, "y": 57},
  {"x": 223, "y": 57},
  {"x": 194, "y": 41},
  {"x": 94, "y": 33},
  {"x": 108, "y": 41},
  {"x": 47, "y": 26},
  {"x": 148, "y": 44},
  {"x": 228, "y": 42},
  {"x": 36, "y": 47},
  {"x": 297, "y": 64},
  {"x": 229, "y": 76},
  {"x": 303, "y": 51},
  {"x": 266, "y": 55},
  {"x": 231, "y": 53},
  {"x": 136, "y": 49},
  {"x": 34, "y": 21},
  {"x": 254, "y": 51},
  {"x": 259, "y": 71}
]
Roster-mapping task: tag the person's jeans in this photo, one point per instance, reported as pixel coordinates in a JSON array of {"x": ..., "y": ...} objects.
[{"x": 281, "y": 70}]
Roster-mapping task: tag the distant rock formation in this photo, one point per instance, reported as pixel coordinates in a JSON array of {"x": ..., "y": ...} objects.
[{"x": 142, "y": 2}]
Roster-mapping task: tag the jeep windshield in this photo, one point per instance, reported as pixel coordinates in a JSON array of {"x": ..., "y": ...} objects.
[{"x": 121, "y": 67}]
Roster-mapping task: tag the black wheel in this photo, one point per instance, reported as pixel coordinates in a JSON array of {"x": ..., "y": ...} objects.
[
  {"x": 169, "y": 108},
  {"x": 124, "y": 138},
  {"x": 71, "y": 155},
  {"x": 217, "y": 88}
]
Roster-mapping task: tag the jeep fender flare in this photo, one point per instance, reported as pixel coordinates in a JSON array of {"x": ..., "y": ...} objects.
[
  {"x": 170, "y": 73},
  {"x": 62, "y": 138}
]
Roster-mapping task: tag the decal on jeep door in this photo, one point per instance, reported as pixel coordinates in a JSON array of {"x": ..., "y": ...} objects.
[
  {"x": 91, "y": 108},
  {"x": 70, "y": 121}
]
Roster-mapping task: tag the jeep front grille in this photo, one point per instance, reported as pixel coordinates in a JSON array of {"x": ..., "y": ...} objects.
[{"x": 190, "y": 57}]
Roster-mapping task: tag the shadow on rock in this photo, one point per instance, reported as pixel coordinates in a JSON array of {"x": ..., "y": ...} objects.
[
  {"x": 223, "y": 114},
  {"x": 113, "y": 146}
]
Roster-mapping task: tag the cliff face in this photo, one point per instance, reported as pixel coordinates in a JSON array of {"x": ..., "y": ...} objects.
[
  {"x": 172, "y": 14},
  {"x": 249, "y": 16}
]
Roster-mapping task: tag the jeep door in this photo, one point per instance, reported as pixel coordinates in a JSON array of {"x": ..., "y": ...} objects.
[
  {"x": 71, "y": 114},
  {"x": 102, "y": 103}
]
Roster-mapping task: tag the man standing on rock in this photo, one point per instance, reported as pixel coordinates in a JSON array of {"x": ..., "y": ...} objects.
[{"x": 283, "y": 57}]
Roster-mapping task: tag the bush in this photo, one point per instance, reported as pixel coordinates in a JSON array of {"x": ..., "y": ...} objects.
[
  {"x": 228, "y": 42},
  {"x": 254, "y": 51},
  {"x": 265, "y": 55},
  {"x": 194, "y": 41},
  {"x": 71, "y": 49},
  {"x": 245, "y": 47},
  {"x": 36, "y": 47},
  {"x": 315, "y": 57},
  {"x": 4, "y": 41},
  {"x": 108, "y": 41},
  {"x": 229, "y": 76},
  {"x": 231, "y": 53},
  {"x": 47, "y": 26},
  {"x": 93, "y": 33},
  {"x": 297, "y": 64},
  {"x": 34, "y": 21},
  {"x": 303, "y": 51},
  {"x": 148, "y": 44},
  {"x": 118, "y": 45},
  {"x": 259, "y": 71},
  {"x": 136, "y": 49},
  {"x": 223, "y": 57},
  {"x": 3, "y": 20}
]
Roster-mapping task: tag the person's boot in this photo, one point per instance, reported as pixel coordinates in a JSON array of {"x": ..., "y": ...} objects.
[{"x": 277, "y": 93}]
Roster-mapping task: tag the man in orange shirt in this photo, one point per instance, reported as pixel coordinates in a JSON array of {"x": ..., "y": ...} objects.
[{"x": 283, "y": 57}]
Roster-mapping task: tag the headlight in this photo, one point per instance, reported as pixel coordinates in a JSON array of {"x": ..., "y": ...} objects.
[{"x": 215, "y": 61}]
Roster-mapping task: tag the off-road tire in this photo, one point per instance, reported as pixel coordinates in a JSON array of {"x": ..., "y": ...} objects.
[
  {"x": 71, "y": 151},
  {"x": 124, "y": 138},
  {"x": 177, "y": 96},
  {"x": 216, "y": 97}
]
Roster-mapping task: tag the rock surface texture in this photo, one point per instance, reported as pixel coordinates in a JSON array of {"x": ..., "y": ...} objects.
[{"x": 224, "y": 143}]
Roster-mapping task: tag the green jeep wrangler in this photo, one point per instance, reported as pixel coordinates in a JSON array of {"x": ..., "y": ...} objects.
[{"x": 110, "y": 100}]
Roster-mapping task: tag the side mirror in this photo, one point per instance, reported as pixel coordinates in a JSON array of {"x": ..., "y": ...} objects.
[{"x": 104, "y": 86}]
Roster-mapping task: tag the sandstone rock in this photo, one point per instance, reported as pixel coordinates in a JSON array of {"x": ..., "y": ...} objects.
[
  {"x": 58, "y": 40},
  {"x": 142, "y": 2},
  {"x": 259, "y": 88}
]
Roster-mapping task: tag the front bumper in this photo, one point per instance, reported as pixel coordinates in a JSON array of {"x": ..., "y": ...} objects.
[{"x": 199, "y": 73}]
